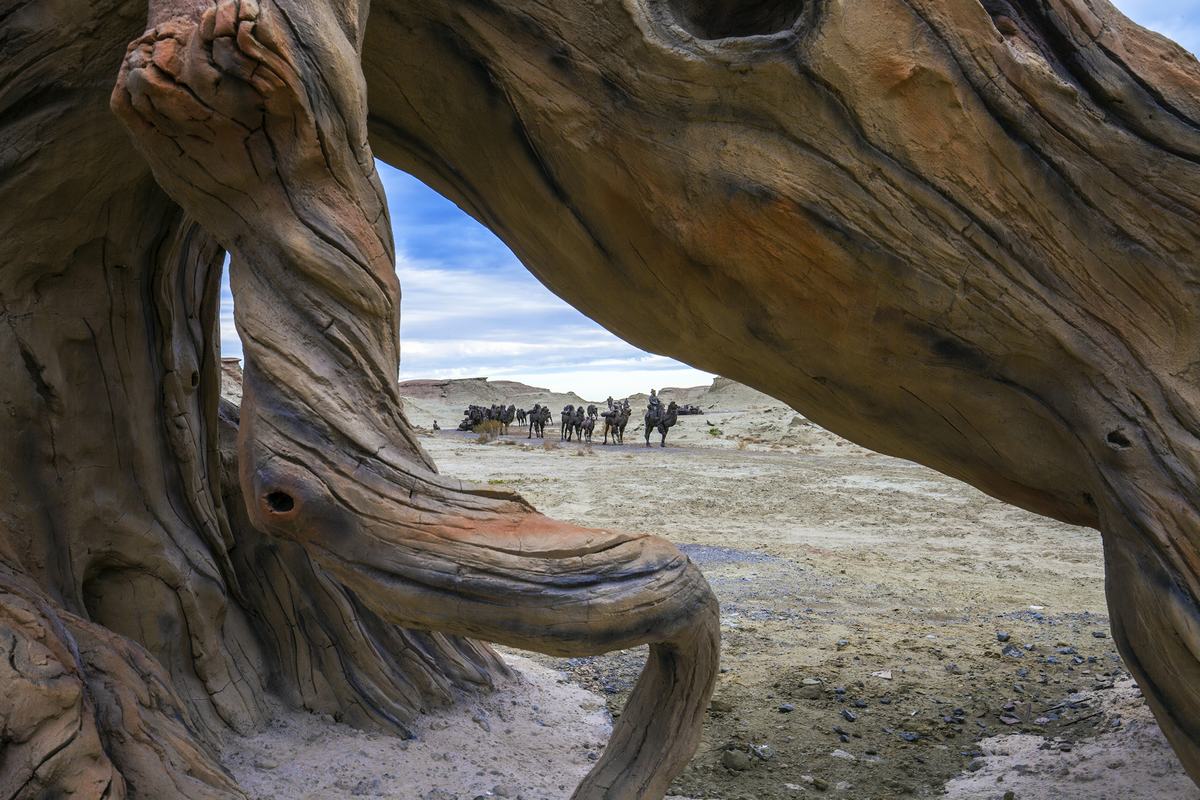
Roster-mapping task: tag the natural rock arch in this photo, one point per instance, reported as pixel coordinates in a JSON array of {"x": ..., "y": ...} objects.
[{"x": 964, "y": 234}]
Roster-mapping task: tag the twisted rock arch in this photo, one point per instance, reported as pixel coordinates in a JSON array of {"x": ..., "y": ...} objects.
[{"x": 963, "y": 233}]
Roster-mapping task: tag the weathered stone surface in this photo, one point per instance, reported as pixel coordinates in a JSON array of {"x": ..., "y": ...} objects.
[
  {"x": 113, "y": 505},
  {"x": 252, "y": 117},
  {"x": 961, "y": 233}
]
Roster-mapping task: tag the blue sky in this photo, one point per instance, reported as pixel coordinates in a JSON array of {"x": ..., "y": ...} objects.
[
  {"x": 1178, "y": 19},
  {"x": 470, "y": 309}
]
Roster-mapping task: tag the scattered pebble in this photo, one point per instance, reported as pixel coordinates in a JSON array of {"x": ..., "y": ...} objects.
[{"x": 737, "y": 760}]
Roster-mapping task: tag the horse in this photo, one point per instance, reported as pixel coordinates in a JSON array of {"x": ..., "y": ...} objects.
[{"x": 662, "y": 421}]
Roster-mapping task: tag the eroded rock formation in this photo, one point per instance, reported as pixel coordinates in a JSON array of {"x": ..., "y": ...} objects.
[
  {"x": 957, "y": 232},
  {"x": 288, "y": 563}
]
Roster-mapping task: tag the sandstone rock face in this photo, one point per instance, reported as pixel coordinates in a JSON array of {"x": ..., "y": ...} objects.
[
  {"x": 961, "y": 233},
  {"x": 113, "y": 509},
  {"x": 202, "y": 556}
]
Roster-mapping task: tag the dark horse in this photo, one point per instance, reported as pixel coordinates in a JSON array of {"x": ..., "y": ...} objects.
[{"x": 662, "y": 421}]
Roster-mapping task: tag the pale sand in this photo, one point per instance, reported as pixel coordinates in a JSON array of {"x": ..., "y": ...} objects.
[
  {"x": 1129, "y": 759},
  {"x": 533, "y": 738}
]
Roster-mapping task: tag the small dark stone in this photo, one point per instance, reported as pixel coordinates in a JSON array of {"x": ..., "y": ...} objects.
[
  {"x": 849, "y": 715},
  {"x": 786, "y": 708},
  {"x": 1002, "y": 636}
]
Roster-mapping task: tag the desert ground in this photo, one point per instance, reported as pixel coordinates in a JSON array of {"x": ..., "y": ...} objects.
[{"x": 887, "y": 631}]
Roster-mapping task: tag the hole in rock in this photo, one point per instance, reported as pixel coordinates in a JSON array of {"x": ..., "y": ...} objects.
[
  {"x": 280, "y": 502},
  {"x": 195, "y": 379},
  {"x": 724, "y": 19},
  {"x": 1118, "y": 439}
]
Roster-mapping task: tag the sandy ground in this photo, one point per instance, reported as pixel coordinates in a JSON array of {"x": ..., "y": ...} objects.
[
  {"x": 1127, "y": 758},
  {"x": 535, "y": 737},
  {"x": 887, "y": 632}
]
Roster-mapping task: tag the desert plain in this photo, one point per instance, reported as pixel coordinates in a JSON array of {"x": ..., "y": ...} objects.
[{"x": 887, "y": 631}]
